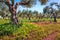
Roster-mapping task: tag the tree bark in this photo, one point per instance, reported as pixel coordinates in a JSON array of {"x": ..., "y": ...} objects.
[
  {"x": 55, "y": 18},
  {"x": 29, "y": 18},
  {"x": 14, "y": 19}
]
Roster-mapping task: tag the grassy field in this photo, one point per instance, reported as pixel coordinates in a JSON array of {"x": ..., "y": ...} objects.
[{"x": 28, "y": 30}]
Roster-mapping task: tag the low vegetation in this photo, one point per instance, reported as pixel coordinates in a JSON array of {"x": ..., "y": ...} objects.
[{"x": 26, "y": 31}]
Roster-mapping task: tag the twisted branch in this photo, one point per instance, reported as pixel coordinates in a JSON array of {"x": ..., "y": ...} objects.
[{"x": 22, "y": 3}]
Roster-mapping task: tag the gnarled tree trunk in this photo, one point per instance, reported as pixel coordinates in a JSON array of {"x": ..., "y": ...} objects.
[
  {"x": 54, "y": 14},
  {"x": 55, "y": 19},
  {"x": 14, "y": 19}
]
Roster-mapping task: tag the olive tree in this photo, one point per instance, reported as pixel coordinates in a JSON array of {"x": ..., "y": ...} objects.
[
  {"x": 13, "y": 7},
  {"x": 51, "y": 10}
]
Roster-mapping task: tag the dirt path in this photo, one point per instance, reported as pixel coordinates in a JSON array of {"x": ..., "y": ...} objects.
[
  {"x": 50, "y": 36},
  {"x": 43, "y": 23}
]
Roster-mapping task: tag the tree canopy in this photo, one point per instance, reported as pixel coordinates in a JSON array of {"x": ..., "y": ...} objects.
[{"x": 28, "y": 4}]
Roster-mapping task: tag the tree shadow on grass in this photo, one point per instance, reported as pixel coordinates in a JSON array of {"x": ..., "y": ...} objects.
[{"x": 12, "y": 25}]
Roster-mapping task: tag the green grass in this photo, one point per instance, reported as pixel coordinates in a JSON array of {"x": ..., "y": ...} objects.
[
  {"x": 39, "y": 20},
  {"x": 25, "y": 30}
]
